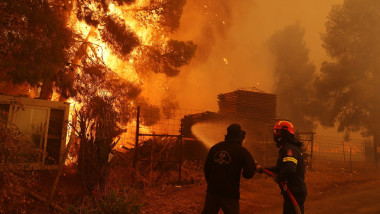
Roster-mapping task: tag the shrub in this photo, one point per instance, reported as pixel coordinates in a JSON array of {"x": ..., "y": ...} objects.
[
  {"x": 14, "y": 149},
  {"x": 117, "y": 202},
  {"x": 113, "y": 201}
]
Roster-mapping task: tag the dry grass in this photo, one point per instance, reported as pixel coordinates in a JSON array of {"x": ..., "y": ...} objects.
[{"x": 127, "y": 191}]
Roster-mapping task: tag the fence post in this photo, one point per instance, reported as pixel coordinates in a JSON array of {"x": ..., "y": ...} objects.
[
  {"x": 151, "y": 160},
  {"x": 267, "y": 152},
  {"x": 365, "y": 154},
  {"x": 375, "y": 151},
  {"x": 350, "y": 160},
  {"x": 180, "y": 155},
  {"x": 344, "y": 154},
  {"x": 311, "y": 150},
  {"x": 137, "y": 136}
]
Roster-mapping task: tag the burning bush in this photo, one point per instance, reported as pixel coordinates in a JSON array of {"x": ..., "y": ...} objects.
[{"x": 98, "y": 126}]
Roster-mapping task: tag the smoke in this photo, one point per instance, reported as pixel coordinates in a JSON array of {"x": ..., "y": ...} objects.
[
  {"x": 293, "y": 74},
  {"x": 350, "y": 81},
  {"x": 231, "y": 44}
]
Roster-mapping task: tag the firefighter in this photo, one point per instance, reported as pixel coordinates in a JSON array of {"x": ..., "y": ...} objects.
[
  {"x": 225, "y": 163},
  {"x": 290, "y": 166}
]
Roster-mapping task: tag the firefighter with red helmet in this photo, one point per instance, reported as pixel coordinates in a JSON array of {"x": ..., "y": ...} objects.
[{"x": 290, "y": 167}]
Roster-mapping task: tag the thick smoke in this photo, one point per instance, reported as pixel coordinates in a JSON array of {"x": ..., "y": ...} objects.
[
  {"x": 348, "y": 83},
  {"x": 231, "y": 44},
  {"x": 293, "y": 74}
]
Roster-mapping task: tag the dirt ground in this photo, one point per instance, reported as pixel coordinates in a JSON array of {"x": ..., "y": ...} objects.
[
  {"x": 329, "y": 191},
  {"x": 333, "y": 190}
]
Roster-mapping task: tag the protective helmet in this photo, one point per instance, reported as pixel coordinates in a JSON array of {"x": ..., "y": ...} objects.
[{"x": 283, "y": 125}]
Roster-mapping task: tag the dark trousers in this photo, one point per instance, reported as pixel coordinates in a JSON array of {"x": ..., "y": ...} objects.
[
  {"x": 215, "y": 202},
  {"x": 288, "y": 207}
]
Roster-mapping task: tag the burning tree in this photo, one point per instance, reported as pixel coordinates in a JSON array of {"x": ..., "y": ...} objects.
[
  {"x": 294, "y": 75},
  {"x": 349, "y": 83},
  {"x": 35, "y": 42},
  {"x": 98, "y": 123},
  {"x": 96, "y": 53},
  {"x": 44, "y": 42}
]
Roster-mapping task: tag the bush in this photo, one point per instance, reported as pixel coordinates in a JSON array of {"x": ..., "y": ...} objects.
[
  {"x": 115, "y": 201},
  {"x": 14, "y": 148}
]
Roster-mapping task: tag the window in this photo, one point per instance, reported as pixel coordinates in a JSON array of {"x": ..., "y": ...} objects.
[
  {"x": 54, "y": 139},
  {"x": 4, "y": 111},
  {"x": 33, "y": 123}
]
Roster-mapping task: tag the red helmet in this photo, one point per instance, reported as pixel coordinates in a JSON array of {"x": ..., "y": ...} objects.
[{"x": 283, "y": 124}]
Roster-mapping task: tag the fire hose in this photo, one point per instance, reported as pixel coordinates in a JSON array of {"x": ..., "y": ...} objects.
[{"x": 285, "y": 188}]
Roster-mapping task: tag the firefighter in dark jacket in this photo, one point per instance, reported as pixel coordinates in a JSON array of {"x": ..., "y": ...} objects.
[
  {"x": 290, "y": 166},
  {"x": 225, "y": 163}
]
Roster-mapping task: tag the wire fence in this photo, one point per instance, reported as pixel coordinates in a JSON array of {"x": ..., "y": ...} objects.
[
  {"x": 154, "y": 142},
  {"x": 352, "y": 154},
  {"x": 159, "y": 141}
]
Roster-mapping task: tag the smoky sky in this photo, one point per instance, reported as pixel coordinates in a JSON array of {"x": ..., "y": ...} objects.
[
  {"x": 293, "y": 76},
  {"x": 232, "y": 45}
]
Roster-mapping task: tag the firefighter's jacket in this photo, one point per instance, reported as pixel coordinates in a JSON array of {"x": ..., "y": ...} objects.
[
  {"x": 225, "y": 163},
  {"x": 291, "y": 168}
]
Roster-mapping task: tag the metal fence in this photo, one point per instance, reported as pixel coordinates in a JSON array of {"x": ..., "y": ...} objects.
[
  {"x": 160, "y": 140},
  {"x": 153, "y": 142},
  {"x": 352, "y": 154}
]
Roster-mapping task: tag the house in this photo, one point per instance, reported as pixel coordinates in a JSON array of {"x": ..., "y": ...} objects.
[{"x": 44, "y": 123}]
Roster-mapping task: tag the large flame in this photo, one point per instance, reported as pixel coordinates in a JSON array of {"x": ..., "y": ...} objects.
[{"x": 148, "y": 33}]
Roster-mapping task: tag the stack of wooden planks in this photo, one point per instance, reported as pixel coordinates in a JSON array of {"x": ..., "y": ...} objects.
[{"x": 249, "y": 104}]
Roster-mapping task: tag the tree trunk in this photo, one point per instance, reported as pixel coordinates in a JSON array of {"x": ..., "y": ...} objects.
[
  {"x": 46, "y": 90},
  {"x": 82, "y": 51},
  {"x": 376, "y": 147}
]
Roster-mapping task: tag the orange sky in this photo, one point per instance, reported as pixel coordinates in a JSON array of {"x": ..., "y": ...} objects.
[{"x": 241, "y": 42}]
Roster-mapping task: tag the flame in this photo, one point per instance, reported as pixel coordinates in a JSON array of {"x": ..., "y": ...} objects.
[{"x": 149, "y": 33}]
